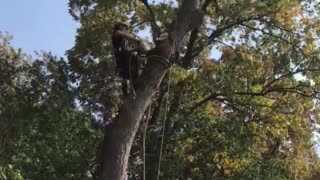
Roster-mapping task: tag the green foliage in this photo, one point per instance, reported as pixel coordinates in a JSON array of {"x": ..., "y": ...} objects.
[
  {"x": 42, "y": 134},
  {"x": 250, "y": 115}
]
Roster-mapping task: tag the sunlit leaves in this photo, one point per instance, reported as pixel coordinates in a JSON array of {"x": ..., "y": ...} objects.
[
  {"x": 42, "y": 134},
  {"x": 248, "y": 115}
]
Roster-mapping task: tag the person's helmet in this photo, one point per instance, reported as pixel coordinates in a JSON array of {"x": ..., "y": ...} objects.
[{"x": 120, "y": 26}]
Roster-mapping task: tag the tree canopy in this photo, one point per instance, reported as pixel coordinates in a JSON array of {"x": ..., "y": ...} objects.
[{"x": 250, "y": 114}]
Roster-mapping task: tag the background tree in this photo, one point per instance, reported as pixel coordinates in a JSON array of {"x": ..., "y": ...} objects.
[{"x": 42, "y": 133}]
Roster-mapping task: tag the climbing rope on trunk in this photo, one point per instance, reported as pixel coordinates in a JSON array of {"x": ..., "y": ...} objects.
[{"x": 164, "y": 125}]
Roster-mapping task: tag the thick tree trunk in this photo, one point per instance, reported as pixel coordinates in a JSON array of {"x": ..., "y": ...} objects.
[{"x": 119, "y": 135}]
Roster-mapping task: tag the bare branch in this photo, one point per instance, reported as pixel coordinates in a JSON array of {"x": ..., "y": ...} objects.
[
  {"x": 267, "y": 33},
  {"x": 278, "y": 27},
  {"x": 218, "y": 32},
  {"x": 205, "y": 100},
  {"x": 214, "y": 96},
  {"x": 286, "y": 75}
]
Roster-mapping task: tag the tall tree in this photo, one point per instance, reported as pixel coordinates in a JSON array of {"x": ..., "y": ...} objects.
[
  {"x": 42, "y": 132},
  {"x": 269, "y": 42}
]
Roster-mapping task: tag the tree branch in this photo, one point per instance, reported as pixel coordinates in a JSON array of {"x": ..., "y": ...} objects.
[
  {"x": 267, "y": 33},
  {"x": 188, "y": 17},
  {"x": 286, "y": 75},
  {"x": 187, "y": 60},
  {"x": 219, "y": 32},
  {"x": 154, "y": 26},
  {"x": 214, "y": 96}
]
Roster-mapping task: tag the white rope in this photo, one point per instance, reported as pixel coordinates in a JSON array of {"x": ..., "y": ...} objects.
[
  {"x": 144, "y": 142},
  {"x": 131, "y": 84}
]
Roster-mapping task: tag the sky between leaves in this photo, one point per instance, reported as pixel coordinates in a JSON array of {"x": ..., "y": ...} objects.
[{"x": 45, "y": 25}]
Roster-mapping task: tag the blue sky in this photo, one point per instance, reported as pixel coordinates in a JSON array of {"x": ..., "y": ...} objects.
[
  {"x": 38, "y": 25},
  {"x": 42, "y": 25}
]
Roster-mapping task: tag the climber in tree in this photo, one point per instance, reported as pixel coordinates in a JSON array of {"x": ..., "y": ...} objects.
[{"x": 124, "y": 45}]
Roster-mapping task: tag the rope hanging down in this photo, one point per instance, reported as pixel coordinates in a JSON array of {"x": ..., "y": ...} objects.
[
  {"x": 164, "y": 125},
  {"x": 144, "y": 141},
  {"x": 131, "y": 82},
  {"x": 167, "y": 63}
]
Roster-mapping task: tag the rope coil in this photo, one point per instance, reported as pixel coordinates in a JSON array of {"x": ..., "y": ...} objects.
[{"x": 161, "y": 59}]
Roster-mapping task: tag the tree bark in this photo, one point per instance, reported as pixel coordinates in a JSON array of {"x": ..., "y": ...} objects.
[{"x": 119, "y": 135}]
